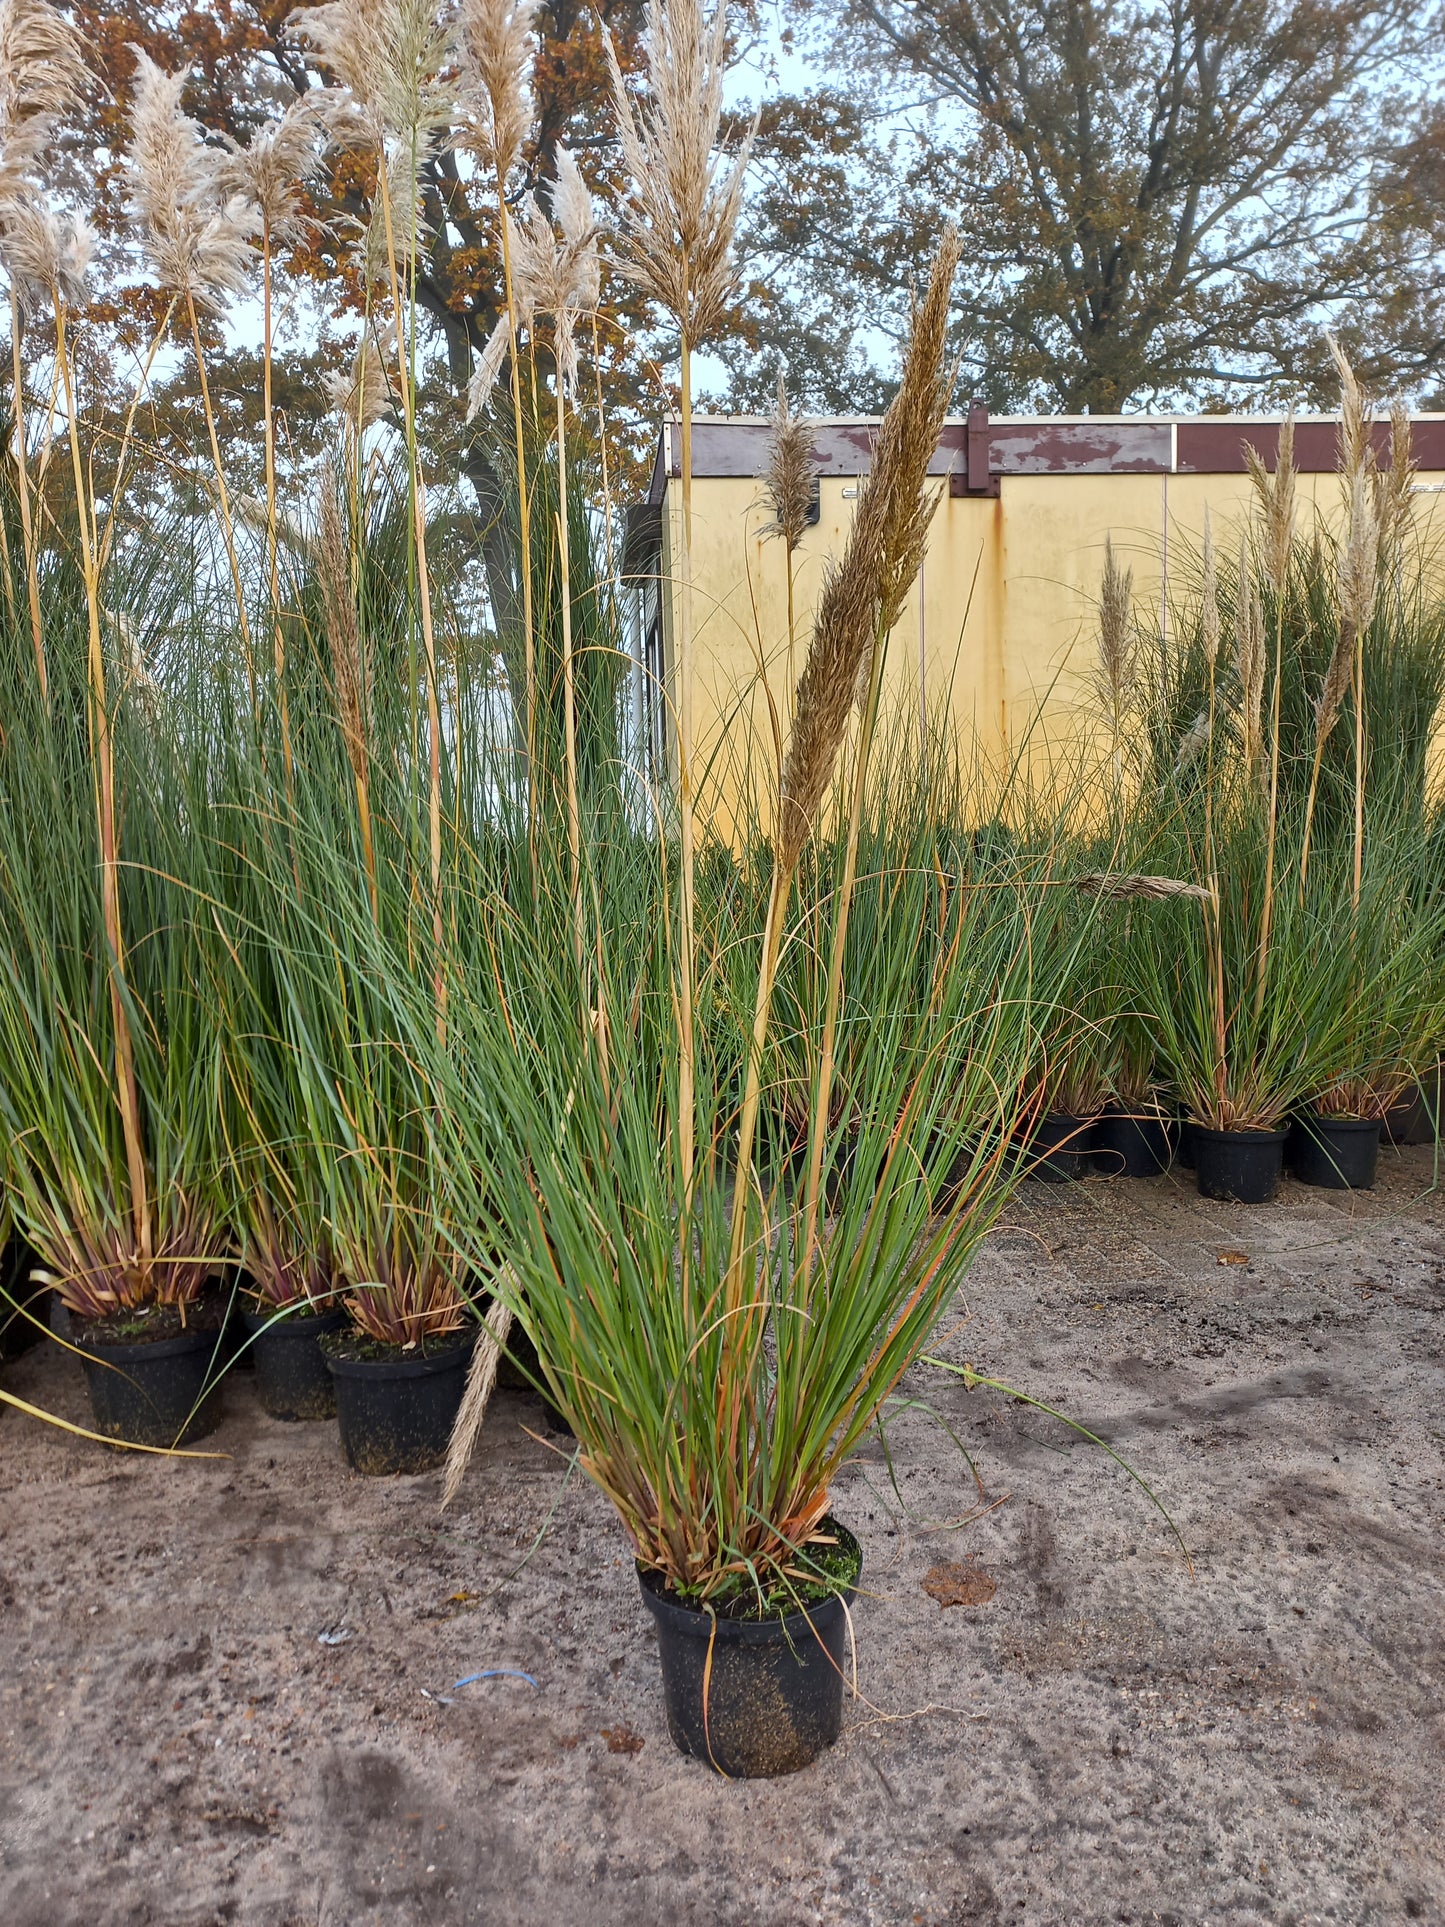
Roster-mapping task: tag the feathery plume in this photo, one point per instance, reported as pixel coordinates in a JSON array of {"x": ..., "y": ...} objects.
[
  {"x": 397, "y": 96},
  {"x": 1250, "y": 662},
  {"x": 1117, "y": 669},
  {"x": 364, "y": 394},
  {"x": 682, "y": 201},
  {"x": 1393, "y": 487},
  {"x": 1357, "y": 451},
  {"x": 343, "y": 630},
  {"x": 198, "y": 236},
  {"x": 791, "y": 472},
  {"x": 271, "y": 169},
  {"x": 489, "y": 366},
  {"x": 557, "y": 272},
  {"x": 46, "y": 254},
  {"x": 393, "y": 60},
  {"x": 42, "y": 76},
  {"x": 1128, "y": 886},
  {"x": 863, "y": 595},
  {"x": 495, "y": 48},
  {"x": 1275, "y": 497}
]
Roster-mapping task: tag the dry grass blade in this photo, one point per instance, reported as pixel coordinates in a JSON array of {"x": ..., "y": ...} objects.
[
  {"x": 481, "y": 1382},
  {"x": 863, "y": 595}
]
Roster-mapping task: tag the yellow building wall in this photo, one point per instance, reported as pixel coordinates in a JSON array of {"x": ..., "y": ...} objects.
[{"x": 1000, "y": 632}]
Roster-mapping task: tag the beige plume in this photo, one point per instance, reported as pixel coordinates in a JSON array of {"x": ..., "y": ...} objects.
[
  {"x": 198, "y": 237},
  {"x": 791, "y": 473},
  {"x": 683, "y": 199},
  {"x": 863, "y": 593},
  {"x": 495, "y": 48},
  {"x": 274, "y": 166},
  {"x": 42, "y": 76},
  {"x": 364, "y": 395},
  {"x": 1395, "y": 486},
  {"x": 556, "y": 271},
  {"x": 1116, "y": 671},
  {"x": 1275, "y": 498}
]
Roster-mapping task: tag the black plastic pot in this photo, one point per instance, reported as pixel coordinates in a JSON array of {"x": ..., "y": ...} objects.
[
  {"x": 1058, "y": 1151},
  {"x": 162, "y": 1392},
  {"x": 771, "y": 1698},
  {"x": 1339, "y": 1153},
  {"x": 1242, "y": 1165},
  {"x": 1131, "y": 1144},
  {"x": 396, "y": 1414},
  {"x": 292, "y": 1378},
  {"x": 1184, "y": 1143}
]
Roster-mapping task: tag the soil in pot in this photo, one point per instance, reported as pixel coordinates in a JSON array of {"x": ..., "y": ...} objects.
[
  {"x": 152, "y": 1380},
  {"x": 292, "y": 1379},
  {"x": 1058, "y": 1151},
  {"x": 1241, "y": 1165},
  {"x": 754, "y": 1697},
  {"x": 395, "y": 1406},
  {"x": 1339, "y": 1153},
  {"x": 1131, "y": 1144}
]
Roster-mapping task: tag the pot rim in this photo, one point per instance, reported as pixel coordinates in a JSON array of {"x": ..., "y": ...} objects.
[
  {"x": 1324, "y": 1121},
  {"x": 1262, "y": 1138},
  {"x": 138, "y": 1350},
  {"x": 399, "y": 1367},
  {"x": 279, "y": 1321},
  {"x": 696, "y": 1622}
]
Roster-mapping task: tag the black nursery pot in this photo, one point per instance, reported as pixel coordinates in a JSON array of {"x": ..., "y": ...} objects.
[
  {"x": 1339, "y": 1153},
  {"x": 1058, "y": 1151},
  {"x": 395, "y": 1412},
  {"x": 773, "y": 1700},
  {"x": 1131, "y": 1144},
  {"x": 163, "y": 1391},
  {"x": 292, "y": 1377},
  {"x": 1242, "y": 1165}
]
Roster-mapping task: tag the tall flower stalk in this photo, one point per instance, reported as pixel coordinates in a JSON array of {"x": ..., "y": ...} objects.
[
  {"x": 42, "y": 73},
  {"x": 861, "y": 601},
  {"x": 198, "y": 238},
  {"x": 394, "y": 62},
  {"x": 1355, "y": 592},
  {"x": 495, "y": 46},
  {"x": 560, "y": 275},
  {"x": 270, "y": 172},
  {"x": 678, "y": 219},
  {"x": 1275, "y": 497}
]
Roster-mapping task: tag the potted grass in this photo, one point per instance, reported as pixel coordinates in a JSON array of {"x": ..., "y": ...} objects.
[
  {"x": 107, "y": 1060},
  {"x": 719, "y": 1343}
]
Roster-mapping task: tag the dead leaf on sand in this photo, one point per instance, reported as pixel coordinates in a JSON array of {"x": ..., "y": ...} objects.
[
  {"x": 1231, "y": 1258},
  {"x": 622, "y": 1739},
  {"x": 954, "y": 1585}
]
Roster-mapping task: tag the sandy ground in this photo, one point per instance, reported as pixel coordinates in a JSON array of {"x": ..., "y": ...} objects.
[{"x": 1106, "y": 1739}]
